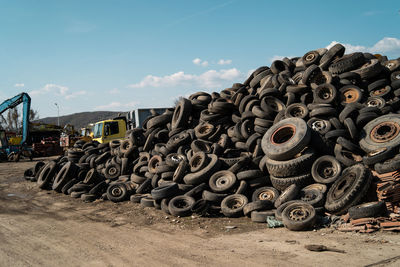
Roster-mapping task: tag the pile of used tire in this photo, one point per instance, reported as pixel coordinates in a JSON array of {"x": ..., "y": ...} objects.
[{"x": 296, "y": 139}]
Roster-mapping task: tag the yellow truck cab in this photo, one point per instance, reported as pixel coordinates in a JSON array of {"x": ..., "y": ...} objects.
[{"x": 107, "y": 130}]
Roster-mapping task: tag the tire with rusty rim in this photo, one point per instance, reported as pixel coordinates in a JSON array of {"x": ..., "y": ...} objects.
[
  {"x": 232, "y": 205},
  {"x": 326, "y": 169},
  {"x": 381, "y": 132},
  {"x": 296, "y": 110},
  {"x": 350, "y": 94},
  {"x": 348, "y": 189},
  {"x": 286, "y": 138},
  {"x": 204, "y": 130},
  {"x": 265, "y": 193},
  {"x": 311, "y": 57},
  {"x": 299, "y": 216},
  {"x": 325, "y": 93}
]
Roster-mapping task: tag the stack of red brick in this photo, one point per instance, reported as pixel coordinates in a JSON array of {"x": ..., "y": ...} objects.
[{"x": 388, "y": 190}]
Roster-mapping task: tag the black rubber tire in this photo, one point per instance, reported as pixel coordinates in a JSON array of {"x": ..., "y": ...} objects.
[
  {"x": 46, "y": 175},
  {"x": 198, "y": 161},
  {"x": 389, "y": 165},
  {"x": 261, "y": 216},
  {"x": 321, "y": 187},
  {"x": 265, "y": 193},
  {"x": 347, "y": 63},
  {"x": 370, "y": 69},
  {"x": 180, "y": 171},
  {"x": 196, "y": 191},
  {"x": 112, "y": 171},
  {"x": 296, "y": 110},
  {"x": 68, "y": 185},
  {"x": 305, "y": 221},
  {"x": 335, "y": 51},
  {"x": 243, "y": 162},
  {"x": 286, "y": 138},
  {"x": 375, "y": 127},
  {"x": 282, "y": 183},
  {"x": 117, "y": 192},
  {"x": 326, "y": 169},
  {"x": 345, "y": 157},
  {"x": 350, "y": 94},
  {"x": 325, "y": 93},
  {"x": 313, "y": 197},
  {"x": 279, "y": 210},
  {"x": 320, "y": 126},
  {"x": 137, "y": 178},
  {"x": 181, "y": 206},
  {"x": 99, "y": 189},
  {"x": 222, "y": 181},
  {"x": 232, "y": 206},
  {"x": 213, "y": 197},
  {"x": 348, "y": 190},
  {"x": 257, "y": 206},
  {"x": 349, "y": 145},
  {"x": 137, "y": 197},
  {"x": 204, "y": 174},
  {"x": 290, "y": 193},
  {"x": 147, "y": 202},
  {"x": 249, "y": 174},
  {"x": 379, "y": 156},
  {"x": 165, "y": 191},
  {"x": 174, "y": 159},
  {"x": 181, "y": 114},
  {"x": 200, "y": 207},
  {"x": 351, "y": 128},
  {"x": 77, "y": 194},
  {"x": 291, "y": 167},
  {"x": 323, "y": 112},
  {"x": 368, "y": 210},
  {"x": 87, "y": 197}
]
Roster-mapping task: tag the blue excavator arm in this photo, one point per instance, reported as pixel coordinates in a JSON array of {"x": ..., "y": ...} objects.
[{"x": 12, "y": 103}]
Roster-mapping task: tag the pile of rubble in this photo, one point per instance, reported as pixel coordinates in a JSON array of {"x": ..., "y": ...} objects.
[{"x": 296, "y": 140}]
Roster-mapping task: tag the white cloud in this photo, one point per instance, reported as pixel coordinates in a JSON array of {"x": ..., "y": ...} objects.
[
  {"x": 57, "y": 90},
  {"x": 118, "y": 106},
  {"x": 209, "y": 79},
  {"x": 199, "y": 62},
  {"x": 114, "y": 91},
  {"x": 387, "y": 45},
  {"x": 19, "y": 85},
  {"x": 224, "y": 61},
  {"x": 275, "y": 57},
  {"x": 75, "y": 94},
  {"x": 48, "y": 88}
]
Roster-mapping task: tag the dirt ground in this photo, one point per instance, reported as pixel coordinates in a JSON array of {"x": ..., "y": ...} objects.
[{"x": 49, "y": 229}]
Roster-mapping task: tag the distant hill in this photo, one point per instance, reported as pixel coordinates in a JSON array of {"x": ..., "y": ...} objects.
[{"x": 82, "y": 119}]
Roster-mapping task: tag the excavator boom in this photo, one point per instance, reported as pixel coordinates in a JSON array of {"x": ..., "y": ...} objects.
[{"x": 12, "y": 103}]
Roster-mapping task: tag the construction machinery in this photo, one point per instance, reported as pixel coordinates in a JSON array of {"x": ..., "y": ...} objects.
[{"x": 13, "y": 152}]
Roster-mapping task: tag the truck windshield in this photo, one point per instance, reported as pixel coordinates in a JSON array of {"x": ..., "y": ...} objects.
[{"x": 98, "y": 130}]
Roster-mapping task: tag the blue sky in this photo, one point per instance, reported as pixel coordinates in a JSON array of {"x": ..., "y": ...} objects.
[{"x": 122, "y": 55}]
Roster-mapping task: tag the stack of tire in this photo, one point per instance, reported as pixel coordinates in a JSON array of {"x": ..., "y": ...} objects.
[{"x": 296, "y": 139}]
